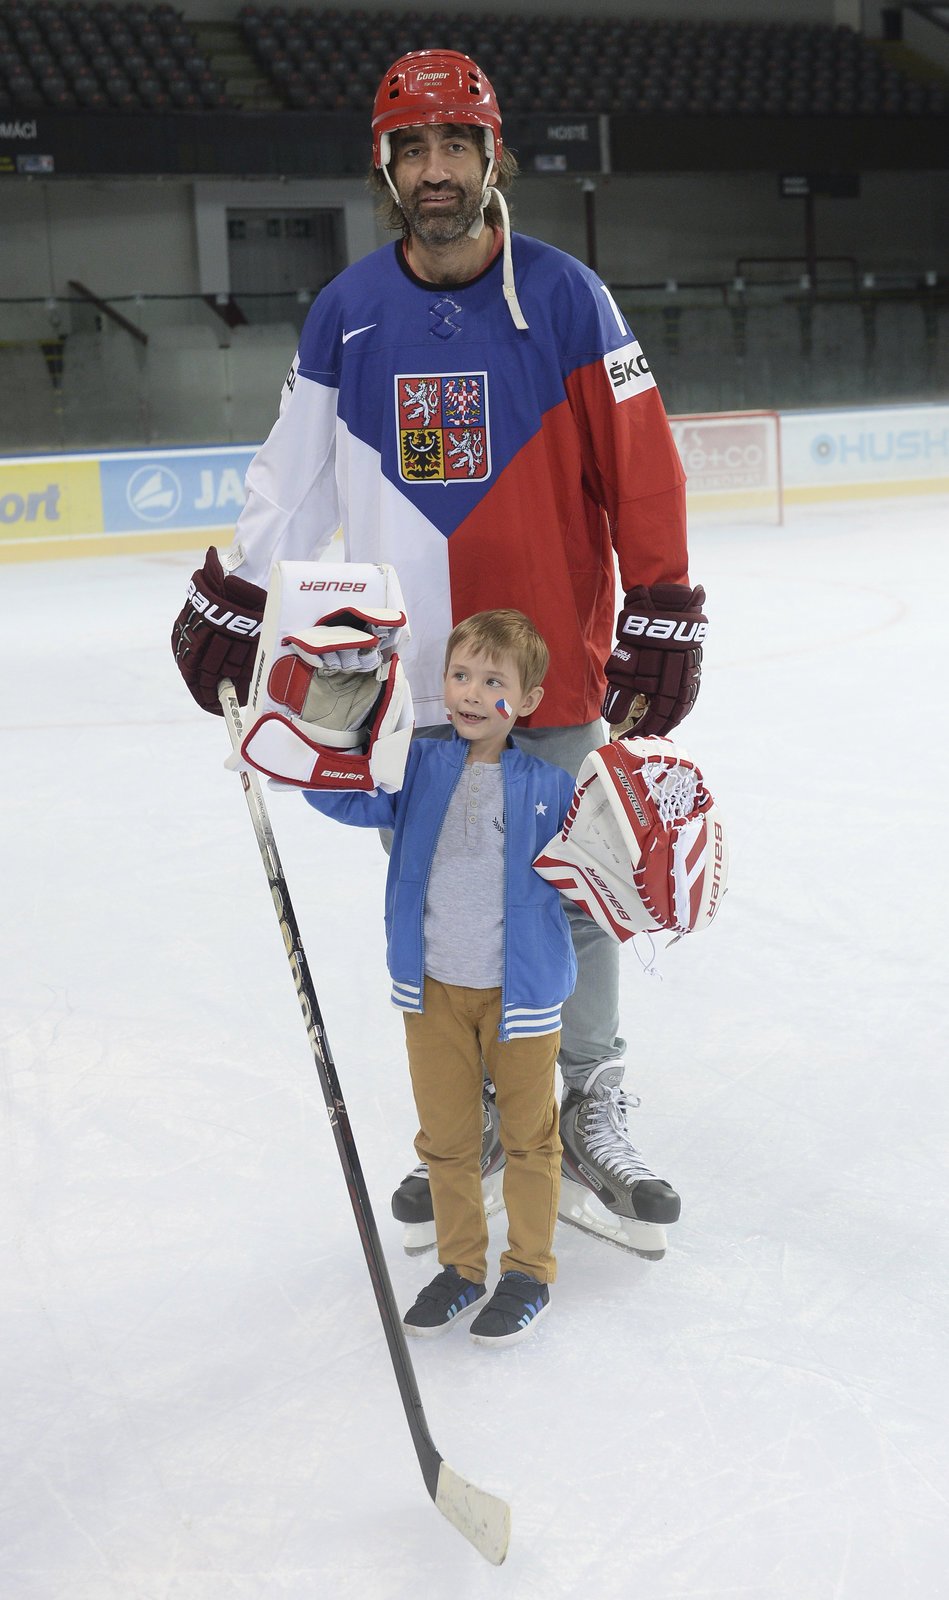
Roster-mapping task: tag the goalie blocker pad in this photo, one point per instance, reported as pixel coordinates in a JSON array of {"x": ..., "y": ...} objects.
[
  {"x": 319, "y": 727},
  {"x": 643, "y": 846}
]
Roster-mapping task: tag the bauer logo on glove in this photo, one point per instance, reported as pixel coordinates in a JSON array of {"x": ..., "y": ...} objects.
[
  {"x": 643, "y": 846},
  {"x": 330, "y": 707}
]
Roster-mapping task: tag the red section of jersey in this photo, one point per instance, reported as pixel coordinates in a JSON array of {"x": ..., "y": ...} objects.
[
  {"x": 540, "y": 540},
  {"x": 631, "y": 456}
]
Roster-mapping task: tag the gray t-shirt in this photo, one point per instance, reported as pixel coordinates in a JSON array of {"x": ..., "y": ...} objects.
[{"x": 464, "y": 905}]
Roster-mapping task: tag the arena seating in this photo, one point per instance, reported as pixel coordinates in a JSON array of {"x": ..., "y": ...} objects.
[
  {"x": 101, "y": 57},
  {"x": 326, "y": 59}
]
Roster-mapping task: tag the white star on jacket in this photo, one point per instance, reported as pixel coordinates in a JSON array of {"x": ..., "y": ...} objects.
[{"x": 540, "y": 809}]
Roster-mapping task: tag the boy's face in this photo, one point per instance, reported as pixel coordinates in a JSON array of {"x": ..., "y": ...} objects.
[{"x": 484, "y": 699}]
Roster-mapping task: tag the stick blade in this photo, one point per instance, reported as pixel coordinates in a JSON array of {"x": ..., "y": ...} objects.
[{"x": 483, "y": 1518}]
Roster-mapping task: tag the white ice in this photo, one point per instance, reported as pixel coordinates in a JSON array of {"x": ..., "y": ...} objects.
[{"x": 198, "y": 1403}]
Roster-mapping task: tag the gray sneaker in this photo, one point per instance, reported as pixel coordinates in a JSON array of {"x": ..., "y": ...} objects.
[{"x": 601, "y": 1162}]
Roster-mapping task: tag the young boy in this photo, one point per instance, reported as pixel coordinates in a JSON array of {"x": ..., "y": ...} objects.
[{"x": 481, "y": 961}]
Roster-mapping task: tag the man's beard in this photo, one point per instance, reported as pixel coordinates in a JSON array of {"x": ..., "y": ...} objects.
[{"x": 440, "y": 228}]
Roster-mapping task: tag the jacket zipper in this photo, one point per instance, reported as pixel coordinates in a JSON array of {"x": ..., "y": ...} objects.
[{"x": 503, "y": 1034}]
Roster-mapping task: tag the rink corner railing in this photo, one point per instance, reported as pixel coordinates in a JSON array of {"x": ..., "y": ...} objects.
[{"x": 750, "y": 466}]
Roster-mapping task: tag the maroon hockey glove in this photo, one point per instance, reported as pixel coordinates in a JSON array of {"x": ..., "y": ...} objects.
[
  {"x": 653, "y": 675},
  {"x": 216, "y": 634}
]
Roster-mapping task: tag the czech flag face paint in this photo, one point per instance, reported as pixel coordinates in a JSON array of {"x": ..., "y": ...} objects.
[{"x": 503, "y": 707}]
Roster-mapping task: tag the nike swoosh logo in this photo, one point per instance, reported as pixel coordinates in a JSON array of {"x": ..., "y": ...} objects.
[{"x": 353, "y": 332}]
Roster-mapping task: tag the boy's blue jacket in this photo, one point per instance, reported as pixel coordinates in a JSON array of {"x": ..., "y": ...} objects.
[{"x": 539, "y": 964}]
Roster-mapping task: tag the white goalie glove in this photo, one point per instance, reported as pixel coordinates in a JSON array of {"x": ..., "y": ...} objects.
[
  {"x": 330, "y": 707},
  {"x": 643, "y": 847}
]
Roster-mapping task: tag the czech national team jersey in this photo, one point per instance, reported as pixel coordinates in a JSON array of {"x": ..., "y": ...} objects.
[{"x": 490, "y": 466}]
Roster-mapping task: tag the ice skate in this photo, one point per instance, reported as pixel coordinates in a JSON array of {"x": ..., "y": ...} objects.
[
  {"x": 606, "y": 1187},
  {"x": 412, "y": 1201}
]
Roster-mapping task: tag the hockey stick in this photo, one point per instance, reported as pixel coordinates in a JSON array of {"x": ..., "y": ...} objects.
[{"x": 483, "y": 1518}]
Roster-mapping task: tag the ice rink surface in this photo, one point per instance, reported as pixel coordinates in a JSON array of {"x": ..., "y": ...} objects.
[{"x": 197, "y": 1400}]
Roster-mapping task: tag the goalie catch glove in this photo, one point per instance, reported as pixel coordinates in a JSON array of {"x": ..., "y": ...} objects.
[
  {"x": 215, "y": 635},
  {"x": 654, "y": 672},
  {"x": 643, "y": 846}
]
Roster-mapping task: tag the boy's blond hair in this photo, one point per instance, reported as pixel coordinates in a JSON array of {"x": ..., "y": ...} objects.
[{"x": 503, "y": 633}]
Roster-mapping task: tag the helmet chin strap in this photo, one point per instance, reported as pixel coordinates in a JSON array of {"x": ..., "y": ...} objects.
[
  {"x": 385, "y": 154},
  {"x": 507, "y": 278},
  {"x": 477, "y": 227}
]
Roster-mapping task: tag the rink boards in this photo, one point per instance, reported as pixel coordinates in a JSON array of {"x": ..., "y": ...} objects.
[{"x": 178, "y": 499}]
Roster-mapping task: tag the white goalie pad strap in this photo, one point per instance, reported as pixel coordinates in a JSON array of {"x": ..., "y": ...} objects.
[
  {"x": 312, "y": 644},
  {"x": 314, "y": 755},
  {"x": 375, "y": 619},
  {"x": 279, "y": 747},
  {"x": 345, "y": 646},
  {"x": 643, "y": 847}
]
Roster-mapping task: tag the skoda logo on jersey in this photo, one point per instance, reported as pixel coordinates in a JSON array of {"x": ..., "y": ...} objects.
[
  {"x": 153, "y": 493},
  {"x": 628, "y": 371},
  {"x": 443, "y": 427}
]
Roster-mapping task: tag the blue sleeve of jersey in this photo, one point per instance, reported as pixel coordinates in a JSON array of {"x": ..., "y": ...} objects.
[
  {"x": 593, "y": 321},
  {"x": 321, "y": 339}
]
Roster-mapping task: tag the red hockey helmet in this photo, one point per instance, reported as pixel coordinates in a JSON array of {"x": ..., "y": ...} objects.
[{"x": 434, "y": 86}]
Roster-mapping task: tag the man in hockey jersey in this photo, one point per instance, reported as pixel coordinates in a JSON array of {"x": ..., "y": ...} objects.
[{"x": 471, "y": 406}]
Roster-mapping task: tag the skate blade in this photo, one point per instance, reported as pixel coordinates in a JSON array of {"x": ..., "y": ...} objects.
[
  {"x": 419, "y": 1237},
  {"x": 582, "y": 1210}
]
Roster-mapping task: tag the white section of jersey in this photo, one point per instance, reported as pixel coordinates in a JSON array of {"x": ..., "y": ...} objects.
[
  {"x": 401, "y": 536},
  {"x": 380, "y": 525},
  {"x": 291, "y": 529}
]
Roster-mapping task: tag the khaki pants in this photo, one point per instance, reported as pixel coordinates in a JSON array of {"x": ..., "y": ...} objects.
[{"x": 446, "y": 1045}]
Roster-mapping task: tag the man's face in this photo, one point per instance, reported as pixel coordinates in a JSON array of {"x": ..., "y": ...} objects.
[{"x": 438, "y": 173}]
